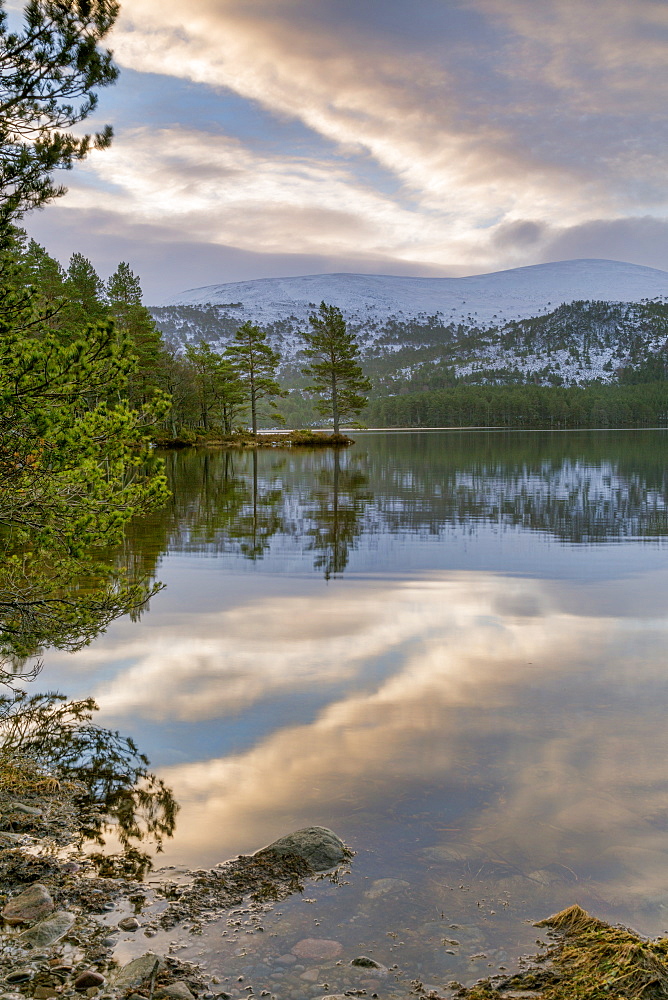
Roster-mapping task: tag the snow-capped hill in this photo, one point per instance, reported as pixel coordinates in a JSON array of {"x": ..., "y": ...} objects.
[
  {"x": 486, "y": 298},
  {"x": 570, "y": 321}
]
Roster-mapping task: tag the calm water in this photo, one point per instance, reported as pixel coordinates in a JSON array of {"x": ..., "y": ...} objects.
[{"x": 451, "y": 648}]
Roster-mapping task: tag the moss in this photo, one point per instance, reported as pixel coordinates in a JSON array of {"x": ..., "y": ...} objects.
[{"x": 588, "y": 959}]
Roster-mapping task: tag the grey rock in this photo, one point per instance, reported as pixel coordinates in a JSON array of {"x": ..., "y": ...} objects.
[
  {"x": 8, "y": 839},
  {"x": 318, "y": 845},
  {"x": 128, "y": 924},
  {"x": 47, "y": 931},
  {"x": 32, "y": 904},
  {"x": 138, "y": 971},
  {"x": 365, "y": 962},
  {"x": 20, "y": 807},
  {"x": 176, "y": 991}
]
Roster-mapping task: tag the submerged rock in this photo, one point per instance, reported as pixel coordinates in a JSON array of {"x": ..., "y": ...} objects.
[
  {"x": 317, "y": 845},
  {"x": 47, "y": 931},
  {"x": 138, "y": 971},
  {"x": 317, "y": 948},
  {"x": 381, "y": 886},
  {"x": 32, "y": 904},
  {"x": 175, "y": 991}
]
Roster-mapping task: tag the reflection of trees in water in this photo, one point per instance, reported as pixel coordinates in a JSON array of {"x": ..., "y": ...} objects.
[
  {"x": 113, "y": 790},
  {"x": 259, "y": 518},
  {"x": 53, "y": 596},
  {"x": 237, "y": 502},
  {"x": 336, "y": 510},
  {"x": 577, "y": 487}
]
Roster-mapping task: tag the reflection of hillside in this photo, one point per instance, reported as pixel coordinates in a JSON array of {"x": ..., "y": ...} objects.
[
  {"x": 586, "y": 487},
  {"x": 577, "y": 487}
]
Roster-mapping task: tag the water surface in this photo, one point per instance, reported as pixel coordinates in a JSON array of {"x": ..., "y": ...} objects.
[{"x": 449, "y": 647}]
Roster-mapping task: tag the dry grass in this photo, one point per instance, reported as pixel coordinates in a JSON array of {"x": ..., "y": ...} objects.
[{"x": 590, "y": 960}]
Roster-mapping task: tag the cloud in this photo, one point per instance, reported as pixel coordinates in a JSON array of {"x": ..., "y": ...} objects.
[
  {"x": 509, "y": 119},
  {"x": 454, "y": 137}
]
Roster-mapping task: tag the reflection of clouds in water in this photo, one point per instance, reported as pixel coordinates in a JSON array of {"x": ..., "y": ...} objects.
[
  {"x": 462, "y": 658},
  {"x": 287, "y": 644},
  {"x": 508, "y": 690}
]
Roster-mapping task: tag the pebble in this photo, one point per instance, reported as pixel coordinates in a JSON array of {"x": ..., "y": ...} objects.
[
  {"x": 128, "y": 924},
  {"x": 87, "y": 979},
  {"x": 33, "y": 903},
  {"x": 19, "y": 976}
]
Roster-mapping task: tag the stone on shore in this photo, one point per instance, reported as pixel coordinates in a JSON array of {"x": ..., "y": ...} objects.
[
  {"x": 47, "y": 931},
  {"x": 138, "y": 971},
  {"x": 175, "y": 991},
  {"x": 87, "y": 979},
  {"x": 32, "y": 904},
  {"x": 317, "y": 845}
]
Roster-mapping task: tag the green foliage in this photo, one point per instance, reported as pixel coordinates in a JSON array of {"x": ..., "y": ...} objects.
[
  {"x": 217, "y": 385},
  {"x": 74, "y": 469},
  {"x": 134, "y": 322},
  {"x": 334, "y": 367},
  {"x": 256, "y": 363},
  {"x": 49, "y": 73},
  {"x": 85, "y": 293}
]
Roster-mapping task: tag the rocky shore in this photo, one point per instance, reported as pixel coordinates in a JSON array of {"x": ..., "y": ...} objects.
[
  {"x": 60, "y": 918},
  {"x": 65, "y": 928}
]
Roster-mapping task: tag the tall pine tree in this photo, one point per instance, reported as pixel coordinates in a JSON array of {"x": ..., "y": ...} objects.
[
  {"x": 257, "y": 364},
  {"x": 334, "y": 366},
  {"x": 134, "y": 321}
]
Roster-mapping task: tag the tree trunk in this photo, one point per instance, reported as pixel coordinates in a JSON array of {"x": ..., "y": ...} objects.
[{"x": 335, "y": 404}]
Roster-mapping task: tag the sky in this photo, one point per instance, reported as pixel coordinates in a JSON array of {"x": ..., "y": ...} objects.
[{"x": 266, "y": 138}]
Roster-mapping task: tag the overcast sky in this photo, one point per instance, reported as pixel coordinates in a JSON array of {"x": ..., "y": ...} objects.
[{"x": 260, "y": 138}]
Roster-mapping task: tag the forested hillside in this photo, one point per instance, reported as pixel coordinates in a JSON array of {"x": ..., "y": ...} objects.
[{"x": 571, "y": 344}]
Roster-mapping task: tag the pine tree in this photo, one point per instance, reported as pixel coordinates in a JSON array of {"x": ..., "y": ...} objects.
[
  {"x": 256, "y": 363},
  {"x": 49, "y": 73},
  {"x": 217, "y": 385},
  {"x": 85, "y": 292},
  {"x": 335, "y": 370},
  {"x": 134, "y": 321}
]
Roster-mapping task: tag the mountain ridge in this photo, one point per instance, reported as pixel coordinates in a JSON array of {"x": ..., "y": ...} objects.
[{"x": 514, "y": 293}]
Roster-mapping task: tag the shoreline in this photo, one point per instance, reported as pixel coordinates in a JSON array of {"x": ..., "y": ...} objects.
[{"x": 245, "y": 441}]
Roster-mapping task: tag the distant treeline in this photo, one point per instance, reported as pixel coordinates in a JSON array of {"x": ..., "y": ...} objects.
[{"x": 523, "y": 406}]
